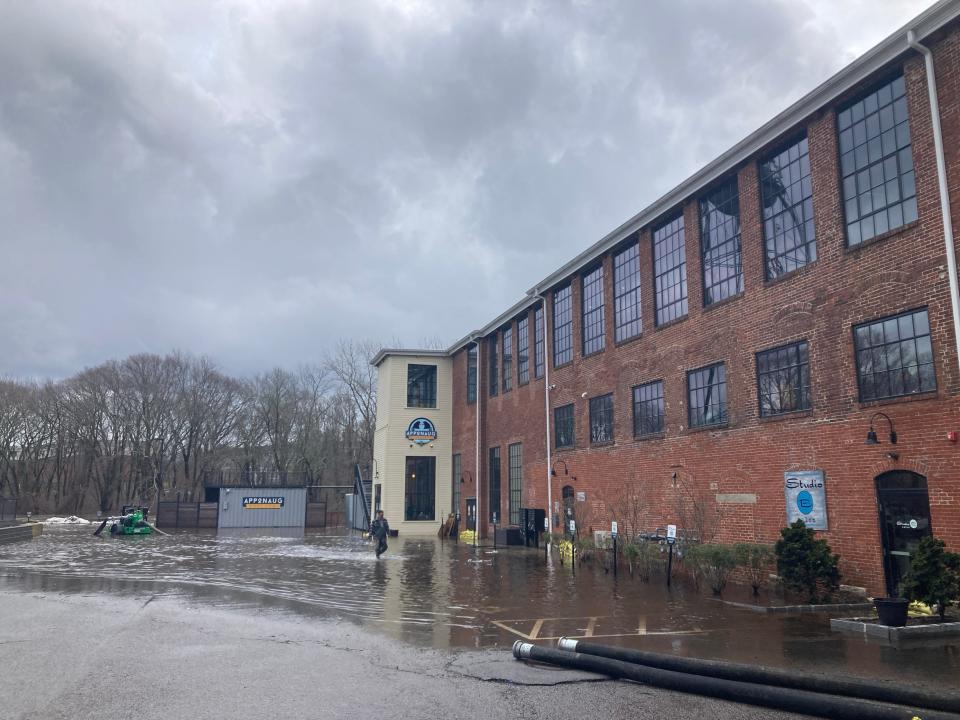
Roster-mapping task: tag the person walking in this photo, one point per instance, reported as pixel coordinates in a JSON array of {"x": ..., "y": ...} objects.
[{"x": 379, "y": 529}]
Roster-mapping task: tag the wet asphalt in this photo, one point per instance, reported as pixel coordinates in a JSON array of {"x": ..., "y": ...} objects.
[{"x": 200, "y": 625}]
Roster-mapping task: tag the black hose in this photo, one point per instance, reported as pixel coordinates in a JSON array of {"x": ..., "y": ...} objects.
[
  {"x": 878, "y": 691},
  {"x": 797, "y": 701}
]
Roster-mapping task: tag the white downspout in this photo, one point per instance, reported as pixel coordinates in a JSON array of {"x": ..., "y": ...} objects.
[
  {"x": 942, "y": 181},
  {"x": 546, "y": 407},
  {"x": 476, "y": 523}
]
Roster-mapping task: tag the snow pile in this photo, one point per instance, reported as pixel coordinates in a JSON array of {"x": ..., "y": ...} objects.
[{"x": 72, "y": 520}]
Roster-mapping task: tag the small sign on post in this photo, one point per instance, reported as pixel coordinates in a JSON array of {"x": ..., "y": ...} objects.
[
  {"x": 671, "y": 534},
  {"x": 613, "y": 528},
  {"x": 546, "y": 524},
  {"x": 671, "y": 539}
]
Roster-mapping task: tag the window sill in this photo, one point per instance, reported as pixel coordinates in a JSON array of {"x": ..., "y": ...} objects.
[
  {"x": 710, "y": 428},
  {"x": 627, "y": 341},
  {"x": 854, "y": 249},
  {"x": 671, "y": 323},
  {"x": 912, "y": 397},
  {"x": 722, "y": 303},
  {"x": 563, "y": 365},
  {"x": 562, "y": 448},
  {"x": 651, "y": 436},
  {"x": 605, "y": 443},
  {"x": 420, "y": 521},
  {"x": 421, "y": 407},
  {"x": 791, "y": 415},
  {"x": 592, "y": 354},
  {"x": 797, "y": 272}
]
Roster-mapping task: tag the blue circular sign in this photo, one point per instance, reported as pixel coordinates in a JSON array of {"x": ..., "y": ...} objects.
[{"x": 805, "y": 502}]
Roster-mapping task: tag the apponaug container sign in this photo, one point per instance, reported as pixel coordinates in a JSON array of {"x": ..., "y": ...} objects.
[{"x": 806, "y": 498}]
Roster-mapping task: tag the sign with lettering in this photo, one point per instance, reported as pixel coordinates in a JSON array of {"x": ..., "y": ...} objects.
[
  {"x": 263, "y": 503},
  {"x": 421, "y": 431},
  {"x": 613, "y": 528},
  {"x": 806, "y": 496}
]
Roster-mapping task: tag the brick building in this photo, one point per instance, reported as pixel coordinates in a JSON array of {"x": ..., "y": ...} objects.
[{"x": 745, "y": 335}]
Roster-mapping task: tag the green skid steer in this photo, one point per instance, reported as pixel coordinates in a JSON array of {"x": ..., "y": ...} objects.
[{"x": 130, "y": 523}]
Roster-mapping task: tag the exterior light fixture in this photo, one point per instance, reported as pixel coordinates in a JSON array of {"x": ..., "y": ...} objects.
[
  {"x": 872, "y": 434},
  {"x": 553, "y": 470}
]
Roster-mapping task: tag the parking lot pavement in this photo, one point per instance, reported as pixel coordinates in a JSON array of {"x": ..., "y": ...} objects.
[{"x": 145, "y": 657}]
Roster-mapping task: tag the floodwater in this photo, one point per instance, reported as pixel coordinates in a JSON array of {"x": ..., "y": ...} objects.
[{"x": 450, "y": 595}]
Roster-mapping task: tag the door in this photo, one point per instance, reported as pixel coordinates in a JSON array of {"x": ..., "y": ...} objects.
[
  {"x": 472, "y": 514},
  {"x": 904, "y": 520}
]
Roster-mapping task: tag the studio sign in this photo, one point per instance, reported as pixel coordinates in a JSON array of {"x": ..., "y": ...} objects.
[
  {"x": 421, "y": 431},
  {"x": 806, "y": 498}
]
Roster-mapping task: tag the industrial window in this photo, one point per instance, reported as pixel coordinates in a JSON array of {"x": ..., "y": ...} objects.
[
  {"x": 563, "y": 426},
  {"x": 562, "y": 326},
  {"x": 895, "y": 356},
  {"x": 523, "y": 350},
  {"x": 648, "y": 409},
  {"x": 626, "y": 292},
  {"x": 515, "y": 452},
  {"x": 494, "y": 471},
  {"x": 707, "y": 390},
  {"x": 472, "y": 374},
  {"x": 787, "y": 196},
  {"x": 538, "y": 342},
  {"x": 507, "y": 358},
  {"x": 422, "y": 386},
  {"x": 593, "y": 335},
  {"x": 601, "y": 419},
  {"x": 419, "y": 495},
  {"x": 457, "y": 473},
  {"x": 670, "y": 270},
  {"x": 876, "y": 163},
  {"x": 783, "y": 379},
  {"x": 720, "y": 243},
  {"x": 494, "y": 372}
]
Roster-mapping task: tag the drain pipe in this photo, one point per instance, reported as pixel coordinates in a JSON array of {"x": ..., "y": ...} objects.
[
  {"x": 855, "y": 688},
  {"x": 476, "y": 507},
  {"x": 546, "y": 406},
  {"x": 797, "y": 701},
  {"x": 942, "y": 182}
]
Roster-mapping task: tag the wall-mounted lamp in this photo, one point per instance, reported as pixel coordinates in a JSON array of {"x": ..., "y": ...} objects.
[
  {"x": 376, "y": 469},
  {"x": 893, "y": 456},
  {"x": 553, "y": 470},
  {"x": 872, "y": 435},
  {"x": 468, "y": 474}
]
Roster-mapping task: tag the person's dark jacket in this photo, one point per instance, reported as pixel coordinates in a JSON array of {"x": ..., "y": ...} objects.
[{"x": 380, "y": 529}]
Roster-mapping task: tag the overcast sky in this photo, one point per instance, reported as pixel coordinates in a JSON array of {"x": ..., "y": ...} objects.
[{"x": 254, "y": 179}]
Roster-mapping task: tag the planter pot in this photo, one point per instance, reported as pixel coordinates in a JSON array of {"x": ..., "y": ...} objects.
[{"x": 892, "y": 611}]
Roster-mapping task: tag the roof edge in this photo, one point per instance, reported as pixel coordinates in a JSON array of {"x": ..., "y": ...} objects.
[{"x": 406, "y": 352}]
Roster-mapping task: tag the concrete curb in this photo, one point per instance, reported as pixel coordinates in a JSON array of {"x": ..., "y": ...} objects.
[
  {"x": 16, "y": 533},
  {"x": 873, "y": 629},
  {"x": 800, "y": 609}
]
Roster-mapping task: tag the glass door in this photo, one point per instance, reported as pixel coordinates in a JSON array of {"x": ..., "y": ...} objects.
[{"x": 904, "y": 520}]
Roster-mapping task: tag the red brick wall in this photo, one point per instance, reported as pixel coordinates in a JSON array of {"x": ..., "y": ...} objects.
[{"x": 902, "y": 270}]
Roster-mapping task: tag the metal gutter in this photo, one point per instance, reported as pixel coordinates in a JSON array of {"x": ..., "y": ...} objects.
[{"x": 861, "y": 69}]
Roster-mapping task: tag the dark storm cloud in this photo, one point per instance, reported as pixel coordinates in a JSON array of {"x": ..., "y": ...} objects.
[{"x": 254, "y": 180}]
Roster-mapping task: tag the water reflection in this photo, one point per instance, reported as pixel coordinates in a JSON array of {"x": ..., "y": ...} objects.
[{"x": 448, "y": 595}]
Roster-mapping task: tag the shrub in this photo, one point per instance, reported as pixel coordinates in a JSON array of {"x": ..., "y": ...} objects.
[
  {"x": 934, "y": 575},
  {"x": 586, "y": 548},
  {"x": 642, "y": 558},
  {"x": 805, "y": 562},
  {"x": 756, "y": 559},
  {"x": 713, "y": 563}
]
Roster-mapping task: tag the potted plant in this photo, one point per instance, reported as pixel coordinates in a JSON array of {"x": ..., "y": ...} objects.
[
  {"x": 892, "y": 611},
  {"x": 934, "y": 576}
]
